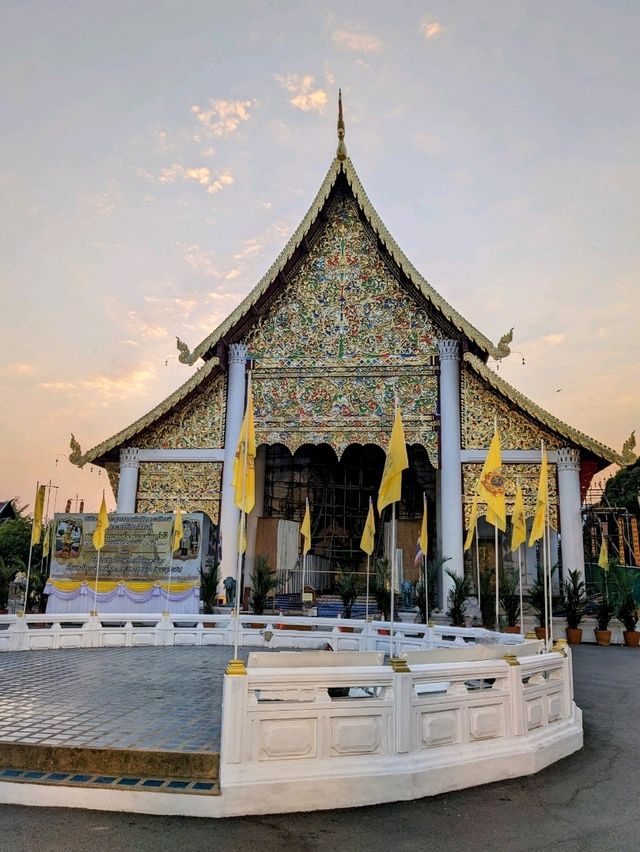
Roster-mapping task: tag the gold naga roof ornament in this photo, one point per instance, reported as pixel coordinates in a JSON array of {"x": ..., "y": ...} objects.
[
  {"x": 503, "y": 345},
  {"x": 628, "y": 456},
  {"x": 341, "y": 153},
  {"x": 75, "y": 456},
  {"x": 186, "y": 356}
]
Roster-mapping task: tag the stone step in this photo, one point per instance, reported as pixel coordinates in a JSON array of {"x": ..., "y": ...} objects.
[{"x": 165, "y": 771}]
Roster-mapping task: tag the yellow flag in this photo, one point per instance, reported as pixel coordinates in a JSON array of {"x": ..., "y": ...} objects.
[
  {"x": 369, "y": 532},
  {"x": 244, "y": 464},
  {"x": 518, "y": 522},
  {"x": 473, "y": 520},
  {"x": 102, "y": 525},
  {"x": 242, "y": 534},
  {"x": 491, "y": 485},
  {"x": 395, "y": 462},
  {"x": 178, "y": 530},
  {"x": 537, "y": 530},
  {"x": 423, "y": 541},
  {"x": 47, "y": 541},
  {"x": 38, "y": 509},
  {"x": 305, "y": 530},
  {"x": 603, "y": 559}
]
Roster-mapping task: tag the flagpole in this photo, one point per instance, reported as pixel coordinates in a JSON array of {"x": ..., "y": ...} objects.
[
  {"x": 544, "y": 566},
  {"x": 366, "y": 606},
  {"x": 426, "y": 596},
  {"x": 33, "y": 520},
  {"x": 393, "y": 574},
  {"x": 495, "y": 529},
  {"x": 478, "y": 561},
  {"x": 173, "y": 532},
  {"x": 242, "y": 533},
  {"x": 520, "y": 578},
  {"x": 548, "y": 545},
  {"x": 95, "y": 588}
]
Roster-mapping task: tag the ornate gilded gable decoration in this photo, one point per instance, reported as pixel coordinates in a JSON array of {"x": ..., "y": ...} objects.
[
  {"x": 528, "y": 474},
  {"x": 196, "y": 423},
  {"x": 339, "y": 342},
  {"x": 479, "y": 405},
  {"x": 189, "y": 486}
]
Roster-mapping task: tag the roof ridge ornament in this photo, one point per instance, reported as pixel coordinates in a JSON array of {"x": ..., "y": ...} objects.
[
  {"x": 628, "y": 456},
  {"x": 341, "y": 153}
]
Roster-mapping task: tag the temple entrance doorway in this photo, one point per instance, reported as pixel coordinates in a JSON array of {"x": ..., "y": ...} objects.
[{"x": 339, "y": 490}]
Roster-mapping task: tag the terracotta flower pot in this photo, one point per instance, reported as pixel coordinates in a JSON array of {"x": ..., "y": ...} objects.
[
  {"x": 631, "y": 638},
  {"x": 541, "y": 632},
  {"x": 512, "y": 629},
  {"x": 603, "y": 637},
  {"x": 384, "y": 631},
  {"x": 574, "y": 635},
  {"x": 344, "y": 629}
]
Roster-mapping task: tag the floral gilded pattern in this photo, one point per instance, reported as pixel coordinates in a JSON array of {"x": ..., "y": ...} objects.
[
  {"x": 189, "y": 486},
  {"x": 196, "y": 423},
  {"x": 480, "y": 404},
  {"x": 343, "y": 303},
  {"x": 528, "y": 476}
]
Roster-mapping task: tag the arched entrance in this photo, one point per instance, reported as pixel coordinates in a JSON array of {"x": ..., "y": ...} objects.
[{"x": 339, "y": 491}]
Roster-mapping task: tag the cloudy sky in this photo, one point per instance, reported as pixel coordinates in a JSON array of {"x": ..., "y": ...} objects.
[{"x": 155, "y": 157}]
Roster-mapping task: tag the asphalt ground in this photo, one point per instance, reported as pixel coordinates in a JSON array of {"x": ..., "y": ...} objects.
[{"x": 589, "y": 801}]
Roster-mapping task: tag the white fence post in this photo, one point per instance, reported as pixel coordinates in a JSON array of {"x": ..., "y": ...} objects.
[
  {"x": 402, "y": 694},
  {"x": 234, "y": 714}
]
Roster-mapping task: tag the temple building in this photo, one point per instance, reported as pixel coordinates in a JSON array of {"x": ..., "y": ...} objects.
[{"x": 338, "y": 328}]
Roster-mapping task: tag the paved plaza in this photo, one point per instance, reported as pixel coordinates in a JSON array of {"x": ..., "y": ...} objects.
[
  {"x": 166, "y": 699},
  {"x": 586, "y": 802}
]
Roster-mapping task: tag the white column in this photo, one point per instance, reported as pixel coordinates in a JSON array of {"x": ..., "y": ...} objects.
[
  {"x": 450, "y": 467},
  {"x": 570, "y": 514},
  {"x": 128, "y": 481},
  {"x": 229, "y": 513},
  {"x": 258, "y": 509}
]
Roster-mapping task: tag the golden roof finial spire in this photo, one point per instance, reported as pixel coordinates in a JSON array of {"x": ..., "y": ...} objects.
[{"x": 341, "y": 153}]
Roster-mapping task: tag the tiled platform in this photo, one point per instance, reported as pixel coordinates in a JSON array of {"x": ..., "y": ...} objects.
[
  {"x": 125, "y": 782},
  {"x": 164, "y": 699}
]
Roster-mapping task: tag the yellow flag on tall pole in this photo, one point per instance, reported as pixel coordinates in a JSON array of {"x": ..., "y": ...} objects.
[
  {"x": 518, "y": 522},
  {"x": 473, "y": 520},
  {"x": 423, "y": 541},
  {"x": 47, "y": 541},
  {"x": 603, "y": 559},
  {"x": 244, "y": 464},
  {"x": 537, "y": 530},
  {"x": 38, "y": 509},
  {"x": 178, "y": 531},
  {"x": 369, "y": 532},
  {"x": 491, "y": 485},
  {"x": 396, "y": 461},
  {"x": 305, "y": 530},
  {"x": 102, "y": 525}
]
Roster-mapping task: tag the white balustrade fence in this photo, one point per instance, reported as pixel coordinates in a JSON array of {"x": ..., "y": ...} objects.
[
  {"x": 113, "y": 630},
  {"x": 305, "y": 738}
]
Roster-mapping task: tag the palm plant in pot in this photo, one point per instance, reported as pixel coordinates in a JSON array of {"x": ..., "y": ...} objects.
[
  {"x": 348, "y": 587},
  {"x": 537, "y": 599},
  {"x": 488, "y": 598},
  {"x": 263, "y": 583},
  {"x": 458, "y": 593},
  {"x": 433, "y": 569},
  {"x": 628, "y": 611},
  {"x": 382, "y": 587},
  {"x": 509, "y": 593},
  {"x": 574, "y": 600},
  {"x": 605, "y": 611}
]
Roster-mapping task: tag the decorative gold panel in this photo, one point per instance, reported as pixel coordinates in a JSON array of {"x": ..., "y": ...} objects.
[
  {"x": 479, "y": 406},
  {"x": 196, "y": 423},
  {"x": 189, "y": 486},
  {"x": 528, "y": 474},
  {"x": 340, "y": 341}
]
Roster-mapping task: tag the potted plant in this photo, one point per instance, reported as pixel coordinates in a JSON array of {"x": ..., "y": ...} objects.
[
  {"x": 628, "y": 611},
  {"x": 382, "y": 590},
  {"x": 487, "y": 598},
  {"x": 457, "y": 599},
  {"x": 348, "y": 587},
  {"x": 263, "y": 582},
  {"x": 510, "y": 600},
  {"x": 604, "y": 613},
  {"x": 433, "y": 568},
  {"x": 574, "y": 600},
  {"x": 537, "y": 599},
  {"x": 209, "y": 588}
]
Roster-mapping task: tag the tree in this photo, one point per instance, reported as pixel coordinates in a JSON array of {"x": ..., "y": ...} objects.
[
  {"x": 622, "y": 490},
  {"x": 15, "y": 537}
]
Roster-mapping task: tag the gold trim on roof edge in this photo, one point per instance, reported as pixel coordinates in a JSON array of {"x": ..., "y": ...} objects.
[
  {"x": 390, "y": 245},
  {"x": 148, "y": 419},
  {"x": 533, "y": 410}
]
